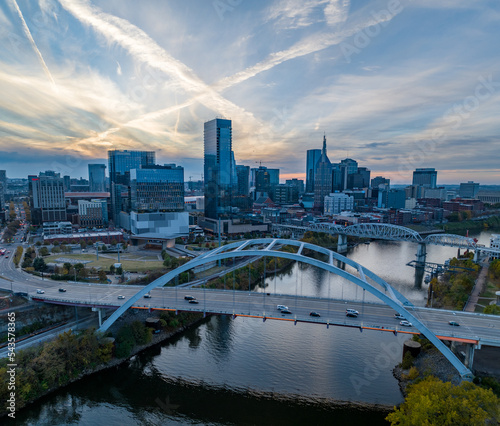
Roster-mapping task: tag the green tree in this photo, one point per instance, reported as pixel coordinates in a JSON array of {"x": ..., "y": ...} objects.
[
  {"x": 39, "y": 264},
  {"x": 119, "y": 270},
  {"x": 492, "y": 310},
  {"x": 44, "y": 251},
  {"x": 433, "y": 402},
  {"x": 102, "y": 276}
]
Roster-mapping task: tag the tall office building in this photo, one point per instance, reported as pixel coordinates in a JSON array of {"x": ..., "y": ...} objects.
[
  {"x": 120, "y": 165},
  {"x": 219, "y": 168},
  {"x": 469, "y": 189},
  {"x": 379, "y": 180},
  {"x": 313, "y": 156},
  {"x": 97, "y": 177},
  {"x": 157, "y": 202},
  {"x": 243, "y": 176},
  {"x": 425, "y": 177},
  {"x": 322, "y": 179},
  {"x": 48, "y": 198}
]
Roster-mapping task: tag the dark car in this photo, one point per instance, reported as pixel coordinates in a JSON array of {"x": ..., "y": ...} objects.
[
  {"x": 314, "y": 314},
  {"x": 189, "y": 298},
  {"x": 194, "y": 301},
  {"x": 351, "y": 314},
  {"x": 147, "y": 296},
  {"x": 62, "y": 290},
  {"x": 286, "y": 311},
  {"x": 454, "y": 323}
]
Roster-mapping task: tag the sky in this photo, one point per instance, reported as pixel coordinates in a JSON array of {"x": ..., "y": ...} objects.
[{"x": 393, "y": 84}]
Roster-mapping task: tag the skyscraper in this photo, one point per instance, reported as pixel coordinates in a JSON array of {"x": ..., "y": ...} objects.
[
  {"x": 120, "y": 164},
  {"x": 219, "y": 168},
  {"x": 425, "y": 177},
  {"x": 322, "y": 179},
  {"x": 313, "y": 156},
  {"x": 48, "y": 198},
  {"x": 97, "y": 177}
]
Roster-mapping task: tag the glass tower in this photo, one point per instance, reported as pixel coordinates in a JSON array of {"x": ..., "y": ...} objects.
[
  {"x": 219, "y": 168},
  {"x": 97, "y": 177}
]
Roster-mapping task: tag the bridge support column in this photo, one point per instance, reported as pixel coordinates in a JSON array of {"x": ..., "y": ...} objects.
[
  {"x": 99, "y": 312},
  {"x": 477, "y": 253},
  {"x": 421, "y": 253},
  {"x": 342, "y": 244},
  {"x": 469, "y": 356}
]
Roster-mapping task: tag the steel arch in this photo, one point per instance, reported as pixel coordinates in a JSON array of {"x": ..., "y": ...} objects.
[
  {"x": 265, "y": 248},
  {"x": 451, "y": 240},
  {"x": 383, "y": 231}
]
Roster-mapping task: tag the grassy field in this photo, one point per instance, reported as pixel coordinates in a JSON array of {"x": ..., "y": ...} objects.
[{"x": 129, "y": 262}]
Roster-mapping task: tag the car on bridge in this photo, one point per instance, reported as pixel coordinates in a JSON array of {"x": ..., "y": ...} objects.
[
  {"x": 314, "y": 314},
  {"x": 121, "y": 297},
  {"x": 194, "y": 301},
  {"x": 39, "y": 291},
  {"x": 62, "y": 290},
  {"x": 351, "y": 314},
  {"x": 399, "y": 316},
  {"x": 147, "y": 296},
  {"x": 454, "y": 323},
  {"x": 406, "y": 324},
  {"x": 352, "y": 311},
  {"x": 281, "y": 307},
  {"x": 189, "y": 297},
  {"x": 286, "y": 311}
]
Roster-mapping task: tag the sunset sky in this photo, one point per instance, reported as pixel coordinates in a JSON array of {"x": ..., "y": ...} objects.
[{"x": 394, "y": 84}]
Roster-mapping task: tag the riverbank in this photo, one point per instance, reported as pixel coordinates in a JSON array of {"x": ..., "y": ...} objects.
[{"x": 28, "y": 373}]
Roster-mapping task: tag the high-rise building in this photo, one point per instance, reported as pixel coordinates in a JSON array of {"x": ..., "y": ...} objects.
[
  {"x": 297, "y": 183},
  {"x": 243, "y": 176},
  {"x": 97, "y": 177},
  {"x": 379, "y": 180},
  {"x": 425, "y": 177},
  {"x": 322, "y": 179},
  {"x": 469, "y": 189},
  {"x": 219, "y": 168},
  {"x": 338, "y": 202},
  {"x": 157, "y": 188},
  {"x": 48, "y": 198},
  {"x": 313, "y": 156},
  {"x": 3, "y": 188},
  {"x": 120, "y": 164}
]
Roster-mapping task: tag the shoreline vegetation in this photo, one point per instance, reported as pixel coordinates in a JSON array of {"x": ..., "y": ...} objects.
[{"x": 434, "y": 393}]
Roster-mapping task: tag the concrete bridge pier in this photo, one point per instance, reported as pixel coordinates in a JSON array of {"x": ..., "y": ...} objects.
[
  {"x": 477, "y": 254},
  {"x": 421, "y": 253},
  {"x": 342, "y": 244},
  {"x": 99, "y": 312},
  {"x": 469, "y": 356}
]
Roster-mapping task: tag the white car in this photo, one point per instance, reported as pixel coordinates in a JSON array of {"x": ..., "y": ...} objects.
[
  {"x": 406, "y": 324},
  {"x": 281, "y": 307},
  {"x": 351, "y": 311},
  {"x": 399, "y": 316},
  {"x": 40, "y": 291},
  {"x": 121, "y": 297}
]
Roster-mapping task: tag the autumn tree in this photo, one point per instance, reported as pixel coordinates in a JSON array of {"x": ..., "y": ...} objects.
[{"x": 433, "y": 402}]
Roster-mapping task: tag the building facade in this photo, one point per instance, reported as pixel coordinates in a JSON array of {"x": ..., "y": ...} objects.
[
  {"x": 313, "y": 156},
  {"x": 97, "y": 177},
  {"x": 425, "y": 177},
  {"x": 219, "y": 168},
  {"x": 323, "y": 179},
  {"x": 338, "y": 202},
  {"x": 48, "y": 198}
]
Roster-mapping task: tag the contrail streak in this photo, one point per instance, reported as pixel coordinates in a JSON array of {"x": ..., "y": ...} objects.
[{"x": 33, "y": 44}]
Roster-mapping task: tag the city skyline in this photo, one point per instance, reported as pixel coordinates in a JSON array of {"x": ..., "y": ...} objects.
[{"x": 394, "y": 84}]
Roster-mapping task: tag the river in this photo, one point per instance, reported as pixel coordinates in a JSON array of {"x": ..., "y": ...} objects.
[{"x": 246, "y": 371}]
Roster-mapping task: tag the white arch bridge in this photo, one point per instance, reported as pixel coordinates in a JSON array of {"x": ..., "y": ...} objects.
[{"x": 242, "y": 303}]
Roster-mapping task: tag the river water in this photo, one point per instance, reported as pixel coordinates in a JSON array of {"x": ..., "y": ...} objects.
[{"x": 249, "y": 372}]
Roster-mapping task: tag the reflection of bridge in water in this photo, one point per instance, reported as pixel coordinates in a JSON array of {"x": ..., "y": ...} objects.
[{"x": 476, "y": 329}]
